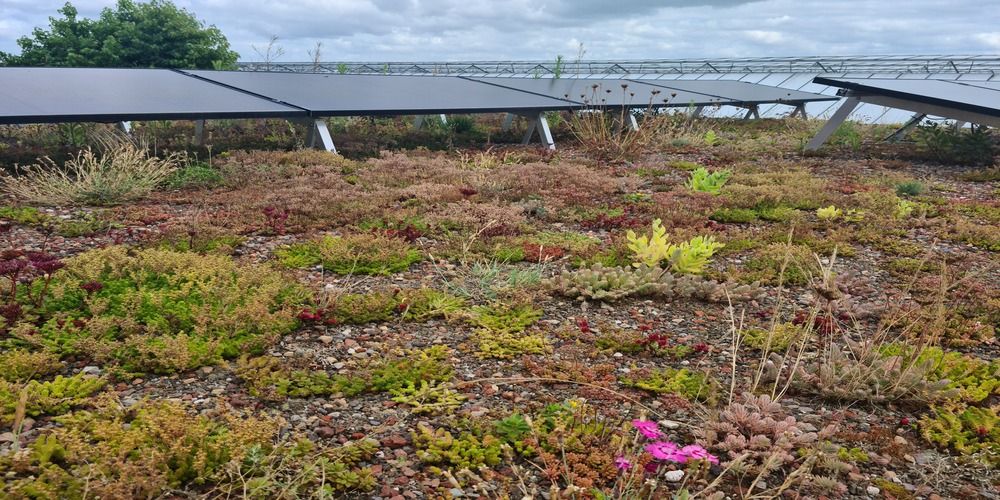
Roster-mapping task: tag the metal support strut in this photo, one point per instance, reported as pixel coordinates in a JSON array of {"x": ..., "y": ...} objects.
[
  {"x": 319, "y": 136},
  {"x": 539, "y": 123},
  {"x": 752, "y": 111},
  {"x": 800, "y": 110},
  {"x": 833, "y": 123},
  {"x": 419, "y": 120},
  {"x": 903, "y": 131},
  {"x": 125, "y": 127},
  {"x": 199, "y": 133}
]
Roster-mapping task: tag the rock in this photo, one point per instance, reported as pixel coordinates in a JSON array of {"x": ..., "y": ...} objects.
[
  {"x": 91, "y": 370},
  {"x": 873, "y": 491},
  {"x": 325, "y": 432},
  {"x": 669, "y": 424},
  {"x": 206, "y": 370},
  {"x": 395, "y": 441},
  {"x": 674, "y": 476},
  {"x": 900, "y": 440},
  {"x": 456, "y": 492},
  {"x": 326, "y": 339},
  {"x": 7, "y": 437}
]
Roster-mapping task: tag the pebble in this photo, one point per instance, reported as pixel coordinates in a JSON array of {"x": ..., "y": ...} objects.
[
  {"x": 674, "y": 476},
  {"x": 91, "y": 370},
  {"x": 873, "y": 491},
  {"x": 7, "y": 437},
  {"x": 326, "y": 339}
]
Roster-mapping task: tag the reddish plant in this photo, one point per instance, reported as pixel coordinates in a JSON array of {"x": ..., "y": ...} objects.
[
  {"x": 467, "y": 191},
  {"x": 583, "y": 325},
  {"x": 541, "y": 253},
  {"x": 408, "y": 233},
  {"x": 276, "y": 218}
]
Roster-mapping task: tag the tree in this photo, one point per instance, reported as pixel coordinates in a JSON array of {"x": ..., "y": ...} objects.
[{"x": 157, "y": 34}]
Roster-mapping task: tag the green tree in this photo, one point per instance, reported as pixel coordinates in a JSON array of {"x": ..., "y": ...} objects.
[{"x": 156, "y": 34}]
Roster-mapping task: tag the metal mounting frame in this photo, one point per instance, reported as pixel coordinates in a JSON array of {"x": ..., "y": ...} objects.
[
  {"x": 319, "y": 135},
  {"x": 853, "y": 99},
  {"x": 539, "y": 123}
]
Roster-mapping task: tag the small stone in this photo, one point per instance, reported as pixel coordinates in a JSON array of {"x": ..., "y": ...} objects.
[
  {"x": 395, "y": 441},
  {"x": 206, "y": 370},
  {"x": 674, "y": 476},
  {"x": 618, "y": 355},
  {"x": 900, "y": 440},
  {"x": 670, "y": 424},
  {"x": 456, "y": 492},
  {"x": 325, "y": 432},
  {"x": 873, "y": 491},
  {"x": 326, "y": 339},
  {"x": 91, "y": 370},
  {"x": 7, "y": 437}
]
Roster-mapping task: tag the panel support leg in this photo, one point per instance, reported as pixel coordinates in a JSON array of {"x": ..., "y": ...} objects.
[
  {"x": 800, "y": 111},
  {"x": 958, "y": 125},
  {"x": 125, "y": 127},
  {"x": 319, "y": 136},
  {"x": 698, "y": 110},
  {"x": 199, "y": 133},
  {"x": 418, "y": 122},
  {"x": 753, "y": 112},
  {"x": 833, "y": 123},
  {"x": 903, "y": 131},
  {"x": 540, "y": 124},
  {"x": 508, "y": 121},
  {"x": 629, "y": 121}
]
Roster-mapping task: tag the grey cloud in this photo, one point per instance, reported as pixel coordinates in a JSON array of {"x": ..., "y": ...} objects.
[{"x": 541, "y": 29}]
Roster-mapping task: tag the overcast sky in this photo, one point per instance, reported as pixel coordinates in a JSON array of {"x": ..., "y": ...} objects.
[{"x": 413, "y": 30}]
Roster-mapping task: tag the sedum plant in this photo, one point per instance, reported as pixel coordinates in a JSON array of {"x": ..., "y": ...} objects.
[
  {"x": 689, "y": 257},
  {"x": 53, "y": 397},
  {"x": 375, "y": 254},
  {"x": 159, "y": 311},
  {"x": 439, "y": 447},
  {"x": 970, "y": 431},
  {"x": 829, "y": 213},
  {"x": 615, "y": 283},
  {"x": 702, "y": 180},
  {"x": 428, "y": 398}
]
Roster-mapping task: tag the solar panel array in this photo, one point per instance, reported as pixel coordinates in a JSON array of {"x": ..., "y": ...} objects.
[{"x": 40, "y": 95}]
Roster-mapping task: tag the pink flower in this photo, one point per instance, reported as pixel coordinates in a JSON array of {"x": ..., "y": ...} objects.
[
  {"x": 622, "y": 463},
  {"x": 696, "y": 452},
  {"x": 665, "y": 450},
  {"x": 647, "y": 428}
]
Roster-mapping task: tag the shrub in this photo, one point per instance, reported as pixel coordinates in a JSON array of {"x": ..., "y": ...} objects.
[
  {"x": 440, "y": 447},
  {"x": 909, "y": 188},
  {"x": 703, "y": 181},
  {"x": 352, "y": 254},
  {"x": 194, "y": 175},
  {"x": 160, "y": 311},
  {"x": 947, "y": 145},
  {"x": 21, "y": 365},
  {"x": 123, "y": 171}
]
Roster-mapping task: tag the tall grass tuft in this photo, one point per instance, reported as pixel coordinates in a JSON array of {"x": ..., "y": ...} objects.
[{"x": 121, "y": 170}]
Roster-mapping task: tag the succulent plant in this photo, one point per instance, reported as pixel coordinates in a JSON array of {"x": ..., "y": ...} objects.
[{"x": 614, "y": 283}]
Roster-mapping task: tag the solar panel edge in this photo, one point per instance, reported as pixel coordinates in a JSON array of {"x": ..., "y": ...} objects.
[{"x": 858, "y": 87}]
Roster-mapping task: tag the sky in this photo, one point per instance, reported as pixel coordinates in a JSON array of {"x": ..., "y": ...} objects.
[{"x": 457, "y": 30}]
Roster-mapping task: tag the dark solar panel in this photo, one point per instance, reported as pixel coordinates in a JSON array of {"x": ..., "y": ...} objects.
[
  {"x": 977, "y": 97},
  {"x": 741, "y": 92},
  {"x": 600, "y": 92},
  {"x": 48, "y": 95},
  {"x": 355, "y": 95}
]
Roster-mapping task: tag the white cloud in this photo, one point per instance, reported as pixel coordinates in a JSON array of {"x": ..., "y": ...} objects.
[
  {"x": 989, "y": 39},
  {"x": 766, "y": 37}
]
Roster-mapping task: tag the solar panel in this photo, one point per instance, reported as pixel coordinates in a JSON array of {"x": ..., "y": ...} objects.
[
  {"x": 965, "y": 101},
  {"x": 384, "y": 95},
  {"x": 50, "y": 95},
  {"x": 741, "y": 92},
  {"x": 602, "y": 92},
  {"x": 976, "y": 97}
]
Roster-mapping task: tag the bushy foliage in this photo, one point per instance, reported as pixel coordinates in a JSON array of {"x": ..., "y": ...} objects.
[
  {"x": 947, "y": 145},
  {"x": 352, "y": 254},
  {"x": 689, "y": 257},
  {"x": 156, "y": 34},
  {"x": 703, "y": 181},
  {"x": 123, "y": 170},
  {"x": 427, "y": 397},
  {"x": 158, "y": 310},
  {"x": 151, "y": 448},
  {"x": 439, "y": 447},
  {"x": 969, "y": 431},
  {"x": 53, "y": 397},
  {"x": 20, "y": 365},
  {"x": 692, "y": 385}
]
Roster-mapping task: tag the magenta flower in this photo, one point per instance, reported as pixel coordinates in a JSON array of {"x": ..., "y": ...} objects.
[
  {"x": 696, "y": 452},
  {"x": 622, "y": 463},
  {"x": 667, "y": 451},
  {"x": 647, "y": 428}
]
